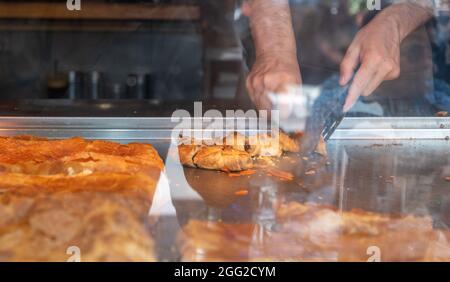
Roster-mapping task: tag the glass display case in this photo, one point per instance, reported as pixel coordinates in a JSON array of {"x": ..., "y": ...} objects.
[{"x": 119, "y": 72}]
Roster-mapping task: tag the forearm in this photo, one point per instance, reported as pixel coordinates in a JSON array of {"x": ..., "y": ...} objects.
[
  {"x": 271, "y": 25},
  {"x": 406, "y": 16}
]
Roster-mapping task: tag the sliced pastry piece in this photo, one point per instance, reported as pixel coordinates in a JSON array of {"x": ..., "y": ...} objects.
[
  {"x": 236, "y": 152},
  {"x": 222, "y": 158}
]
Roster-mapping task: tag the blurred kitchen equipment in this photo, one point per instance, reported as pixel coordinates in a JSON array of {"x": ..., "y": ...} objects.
[
  {"x": 149, "y": 87},
  {"x": 56, "y": 83},
  {"x": 140, "y": 86},
  {"x": 115, "y": 90},
  {"x": 94, "y": 85},
  {"x": 75, "y": 88},
  {"x": 132, "y": 86}
]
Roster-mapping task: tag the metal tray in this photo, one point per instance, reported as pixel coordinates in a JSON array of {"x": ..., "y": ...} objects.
[{"x": 386, "y": 165}]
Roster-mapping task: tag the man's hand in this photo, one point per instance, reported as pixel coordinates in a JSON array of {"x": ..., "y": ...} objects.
[
  {"x": 276, "y": 67},
  {"x": 272, "y": 74},
  {"x": 376, "y": 50}
]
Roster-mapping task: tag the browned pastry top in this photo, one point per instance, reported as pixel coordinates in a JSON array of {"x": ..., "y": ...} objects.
[
  {"x": 94, "y": 195},
  {"x": 235, "y": 152},
  {"x": 39, "y": 156},
  {"x": 35, "y": 185}
]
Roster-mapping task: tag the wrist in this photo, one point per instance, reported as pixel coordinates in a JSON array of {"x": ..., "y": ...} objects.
[
  {"x": 285, "y": 56},
  {"x": 275, "y": 51},
  {"x": 405, "y": 18}
]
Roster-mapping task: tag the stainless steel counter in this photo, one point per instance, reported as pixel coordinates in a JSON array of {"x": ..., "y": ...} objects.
[{"x": 389, "y": 166}]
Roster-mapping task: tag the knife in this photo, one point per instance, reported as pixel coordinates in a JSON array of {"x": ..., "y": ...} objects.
[
  {"x": 325, "y": 116},
  {"x": 316, "y": 112}
]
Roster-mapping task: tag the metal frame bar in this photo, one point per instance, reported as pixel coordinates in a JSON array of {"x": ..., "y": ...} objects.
[
  {"x": 161, "y": 128},
  {"x": 393, "y": 128},
  {"x": 105, "y": 128}
]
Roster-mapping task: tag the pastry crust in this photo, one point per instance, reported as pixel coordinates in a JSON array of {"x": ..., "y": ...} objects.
[
  {"x": 102, "y": 226},
  {"x": 35, "y": 185},
  {"x": 39, "y": 156},
  {"x": 93, "y": 195},
  {"x": 187, "y": 154},
  {"x": 310, "y": 232},
  {"x": 288, "y": 144},
  {"x": 223, "y": 158},
  {"x": 235, "y": 152},
  {"x": 30, "y": 165}
]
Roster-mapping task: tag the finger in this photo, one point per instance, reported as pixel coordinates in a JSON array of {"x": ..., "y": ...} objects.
[
  {"x": 348, "y": 65},
  {"x": 263, "y": 90},
  {"x": 377, "y": 79},
  {"x": 255, "y": 87},
  {"x": 386, "y": 70},
  {"x": 360, "y": 82},
  {"x": 264, "y": 102},
  {"x": 258, "y": 85},
  {"x": 254, "y": 97},
  {"x": 249, "y": 85}
]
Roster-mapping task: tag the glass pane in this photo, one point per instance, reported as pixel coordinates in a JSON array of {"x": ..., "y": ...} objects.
[{"x": 224, "y": 130}]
